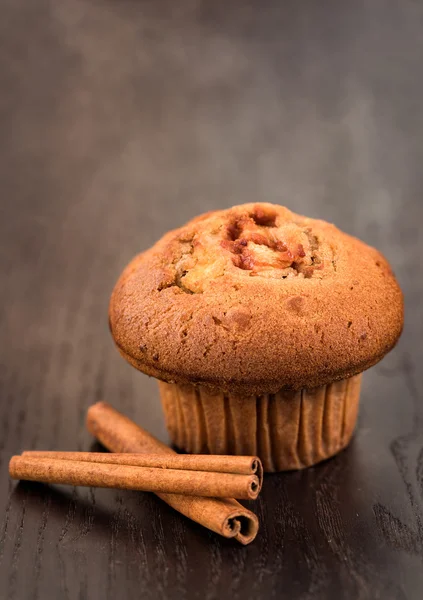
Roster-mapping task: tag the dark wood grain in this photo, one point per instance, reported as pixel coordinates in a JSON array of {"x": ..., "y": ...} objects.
[{"x": 119, "y": 120}]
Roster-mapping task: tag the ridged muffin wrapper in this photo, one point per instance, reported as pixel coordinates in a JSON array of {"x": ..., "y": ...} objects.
[{"x": 287, "y": 430}]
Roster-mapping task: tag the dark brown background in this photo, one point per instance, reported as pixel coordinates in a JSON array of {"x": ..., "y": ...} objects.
[{"x": 122, "y": 119}]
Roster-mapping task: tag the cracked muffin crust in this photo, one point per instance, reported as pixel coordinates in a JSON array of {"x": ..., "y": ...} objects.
[{"x": 255, "y": 299}]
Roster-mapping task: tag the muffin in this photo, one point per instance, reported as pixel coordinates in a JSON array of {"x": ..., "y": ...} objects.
[{"x": 258, "y": 324}]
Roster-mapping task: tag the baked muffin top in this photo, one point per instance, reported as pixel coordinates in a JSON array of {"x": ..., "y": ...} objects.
[{"x": 253, "y": 299}]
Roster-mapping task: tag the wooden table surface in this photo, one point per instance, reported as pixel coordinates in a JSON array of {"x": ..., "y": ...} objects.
[{"x": 120, "y": 120}]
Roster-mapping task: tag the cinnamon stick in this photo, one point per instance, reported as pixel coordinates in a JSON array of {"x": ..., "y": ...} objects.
[
  {"x": 215, "y": 463},
  {"x": 224, "y": 516},
  {"x": 127, "y": 477}
]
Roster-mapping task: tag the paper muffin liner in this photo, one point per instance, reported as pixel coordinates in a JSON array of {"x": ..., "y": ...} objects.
[{"x": 287, "y": 430}]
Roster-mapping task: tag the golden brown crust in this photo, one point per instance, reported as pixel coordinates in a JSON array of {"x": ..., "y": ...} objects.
[{"x": 254, "y": 299}]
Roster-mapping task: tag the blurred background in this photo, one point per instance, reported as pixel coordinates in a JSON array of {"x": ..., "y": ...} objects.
[{"x": 122, "y": 119}]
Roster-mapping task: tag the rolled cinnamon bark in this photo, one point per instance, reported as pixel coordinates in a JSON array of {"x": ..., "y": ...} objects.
[
  {"x": 126, "y": 477},
  {"x": 224, "y": 516},
  {"x": 213, "y": 463}
]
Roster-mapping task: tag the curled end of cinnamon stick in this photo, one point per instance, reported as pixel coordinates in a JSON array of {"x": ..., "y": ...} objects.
[
  {"x": 242, "y": 524},
  {"x": 257, "y": 469},
  {"x": 253, "y": 488}
]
